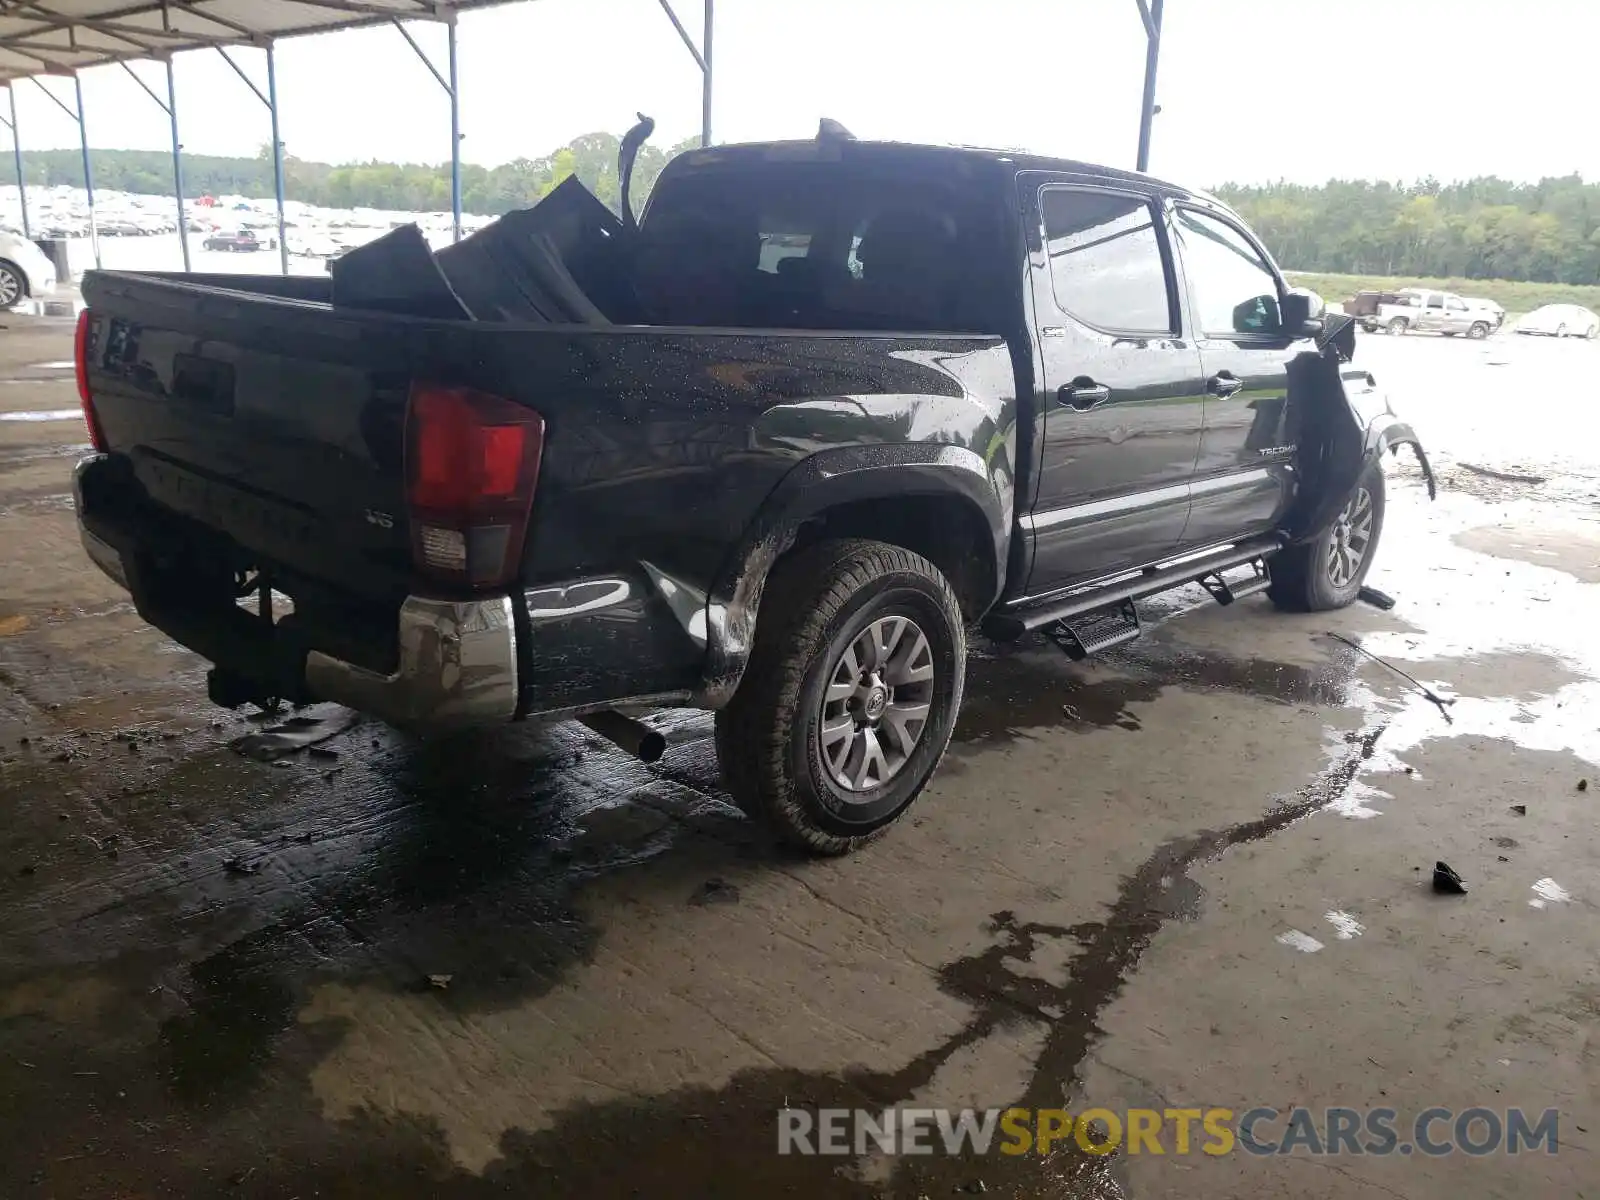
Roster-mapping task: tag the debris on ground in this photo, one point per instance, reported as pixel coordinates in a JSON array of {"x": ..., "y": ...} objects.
[
  {"x": 322, "y": 754},
  {"x": 1442, "y": 702},
  {"x": 1502, "y": 476},
  {"x": 1520, "y": 809},
  {"x": 715, "y": 891},
  {"x": 1583, "y": 785},
  {"x": 295, "y": 734},
  {"x": 1446, "y": 881},
  {"x": 9, "y": 626},
  {"x": 1501, "y": 858},
  {"x": 440, "y": 981},
  {"x": 1372, "y": 596},
  {"x": 239, "y": 866}
]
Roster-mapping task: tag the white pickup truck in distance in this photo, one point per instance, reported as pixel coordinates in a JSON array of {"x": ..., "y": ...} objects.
[{"x": 1421, "y": 310}]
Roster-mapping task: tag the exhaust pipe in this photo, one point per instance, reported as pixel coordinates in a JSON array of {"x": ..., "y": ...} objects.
[{"x": 634, "y": 736}]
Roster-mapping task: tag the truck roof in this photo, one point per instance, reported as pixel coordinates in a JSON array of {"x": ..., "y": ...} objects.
[{"x": 958, "y": 158}]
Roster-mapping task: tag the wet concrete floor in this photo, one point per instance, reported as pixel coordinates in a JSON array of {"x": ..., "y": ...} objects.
[{"x": 1192, "y": 873}]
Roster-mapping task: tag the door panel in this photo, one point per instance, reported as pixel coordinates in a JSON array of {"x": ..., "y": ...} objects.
[
  {"x": 1121, "y": 389},
  {"x": 1244, "y": 473}
]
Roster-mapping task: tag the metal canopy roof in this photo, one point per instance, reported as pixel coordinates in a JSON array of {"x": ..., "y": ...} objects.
[{"x": 45, "y": 37}]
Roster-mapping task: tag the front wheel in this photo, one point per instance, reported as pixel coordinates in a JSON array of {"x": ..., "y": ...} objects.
[
  {"x": 1327, "y": 572},
  {"x": 850, "y": 695},
  {"x": 12, "y": 290},
  {"x": 1398, "y": 326},
  {"x": 1478, "y": 332}
]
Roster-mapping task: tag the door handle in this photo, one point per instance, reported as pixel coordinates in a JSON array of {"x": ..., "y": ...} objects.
[
  {"x": 1224, "y": 383},
  {"x": 1084, "y": 393}
]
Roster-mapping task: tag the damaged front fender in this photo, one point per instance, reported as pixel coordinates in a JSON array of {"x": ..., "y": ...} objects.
[{"x": 1346, "y": 424}]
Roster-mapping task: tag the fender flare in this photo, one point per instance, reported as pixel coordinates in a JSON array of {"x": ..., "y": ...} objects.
[{"x": 825, "y": 480}]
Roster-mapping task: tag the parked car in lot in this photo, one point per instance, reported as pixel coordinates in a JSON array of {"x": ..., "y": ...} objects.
[
  {"x": 24, "y": 270},
  {"x": 233, "y": 241},
  {"x": 1050, "y": 389},
  {"x": 1420, "y": 310},
  {"x": 1560, "y": 320}
]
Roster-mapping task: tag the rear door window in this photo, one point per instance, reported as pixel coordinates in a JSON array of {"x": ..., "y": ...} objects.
[{"x": 1107, "y": 266}]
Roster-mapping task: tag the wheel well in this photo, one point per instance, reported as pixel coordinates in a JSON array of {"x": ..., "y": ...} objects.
[{"x": 947, "y": 531}]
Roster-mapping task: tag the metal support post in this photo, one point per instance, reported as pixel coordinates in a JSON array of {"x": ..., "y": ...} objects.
[
  {"x": 702, "y": 59},
  {"x": 177, "y": 164},
  {"x": 270, "y": 99},
  {"x": 277, "y": 156},
  {"x": 455, "y": 135},
  {"x": 16, "y": 152},
  {"x": 83, "y": 137},
  {"x": 705, "y": 81},
  {"x": 170, "y": 108},
  {"x": 88, "y": 175},
  {"x": 449, "y": 86},
  {"x": 1151, "y": 14}
]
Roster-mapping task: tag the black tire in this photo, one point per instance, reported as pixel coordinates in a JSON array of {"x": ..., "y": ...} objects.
[
  {"x": 817, "y": 603},
  {"x": 1478, "y": 332},
  {"x": 1303, "y": 578},
  {"x": 1399, "y": 326}
]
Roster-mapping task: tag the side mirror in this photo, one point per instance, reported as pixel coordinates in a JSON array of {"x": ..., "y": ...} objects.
[{"x": 1303, "y": 313}]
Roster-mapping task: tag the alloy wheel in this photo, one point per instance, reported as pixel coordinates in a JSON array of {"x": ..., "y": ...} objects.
[
  {"x": 876, "y": 703},
  {"x": 1352, "y": 538}
]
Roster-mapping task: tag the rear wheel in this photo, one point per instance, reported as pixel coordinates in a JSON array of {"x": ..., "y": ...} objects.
[
  {"x": 1327, "y": 572},
  {"x": 1398, "y": 326},
  {"x": 850, "y": 696}
]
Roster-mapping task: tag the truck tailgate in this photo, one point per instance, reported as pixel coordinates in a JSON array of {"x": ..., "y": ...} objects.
[{"x": 262, "y": 419}]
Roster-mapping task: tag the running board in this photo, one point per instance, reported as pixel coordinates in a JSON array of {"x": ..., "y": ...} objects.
[
  {"x": 1091, "y": 632},
  {"x": 1006, "y": 626},
  {"x": 1225, "y": 591}
]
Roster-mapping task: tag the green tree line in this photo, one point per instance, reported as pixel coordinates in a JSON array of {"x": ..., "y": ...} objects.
[
  {"x": 411, "y": 187},
  {"x": 1485, "y": 228}
]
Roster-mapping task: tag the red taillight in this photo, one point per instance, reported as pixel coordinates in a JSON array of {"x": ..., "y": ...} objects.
[
  {"x": 472, "y": 461},
  {"x": 80, "y": 361}
]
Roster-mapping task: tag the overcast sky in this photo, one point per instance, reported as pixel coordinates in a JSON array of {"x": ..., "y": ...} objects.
[{"x": 1249, "y": 88}]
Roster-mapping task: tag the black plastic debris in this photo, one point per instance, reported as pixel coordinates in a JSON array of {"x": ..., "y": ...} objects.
[
  {"x": 1372, "y": 596},
  {"x": 1520, "y": 809},
  {"x": 1446, "y": 881},
  {"x": 1583, "y": 785},
  {"x": 238, "y": 866}
]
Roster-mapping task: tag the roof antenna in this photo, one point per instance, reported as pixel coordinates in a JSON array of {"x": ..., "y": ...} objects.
[
  {"x": 626, "y": 153},
  {"x": 830, "y": 130}
]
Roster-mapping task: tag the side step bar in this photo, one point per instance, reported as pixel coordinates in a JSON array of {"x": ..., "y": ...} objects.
[{"x": 1006, "y": 626}]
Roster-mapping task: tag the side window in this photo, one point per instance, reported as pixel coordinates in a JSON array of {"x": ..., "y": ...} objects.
[
  {"x": 1456, "y": 304},
  {"x": 1106, "y": 267},
  {"x": 1234, "y": 289},
  {"x": 1436, "y": 301}
]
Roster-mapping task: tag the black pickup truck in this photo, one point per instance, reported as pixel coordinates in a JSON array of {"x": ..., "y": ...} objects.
[{"x": 880, "y": 396}]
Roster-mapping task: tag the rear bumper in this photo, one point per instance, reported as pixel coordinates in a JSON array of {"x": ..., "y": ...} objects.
[
  {"x": 457, "y": 659},
  {"x": 629, "y": 638},
  {"x": 458, "y": 666}
]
